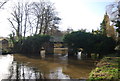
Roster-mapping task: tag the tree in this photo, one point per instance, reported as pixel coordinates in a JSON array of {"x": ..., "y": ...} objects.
[
  {"x": 114, "y": 12},
  {"x": 103, "y": 27},
  {"x": 32, "y": 44},
  {"x": 45, "y": 17},
  {"x": 2, "y": 3},
  {"x": 36, "y": 18},
  {"x": 26, "y": 15},
  {"x": 19, "y": 19},
  {"x": 69, "y": 30},
  {"x": 79, "y": 39},
  {"x": 37, "y": 11},
  {"x": 107, "y": 29},
  {"x": 98, "y": 31}
]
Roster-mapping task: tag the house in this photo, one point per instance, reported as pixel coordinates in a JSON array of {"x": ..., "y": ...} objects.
[{"x": 4, "y": 44}]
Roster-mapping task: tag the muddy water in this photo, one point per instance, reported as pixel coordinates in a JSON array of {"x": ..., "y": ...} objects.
[{"x": 57, "y": 66}]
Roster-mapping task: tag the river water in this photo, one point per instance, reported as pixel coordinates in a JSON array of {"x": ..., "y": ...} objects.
[{"x": 57, "y": 66}]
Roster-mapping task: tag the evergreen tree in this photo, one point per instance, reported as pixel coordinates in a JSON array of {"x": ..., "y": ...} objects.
[{"x": 102, "y": 28}]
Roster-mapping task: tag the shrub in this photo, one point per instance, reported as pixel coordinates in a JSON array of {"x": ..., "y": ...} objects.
[
  {"x": 31, "y": 44},
  {"x": 91, "y": 43}
]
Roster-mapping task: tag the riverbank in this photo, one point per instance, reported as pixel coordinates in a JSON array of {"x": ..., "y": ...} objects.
[{"x": 107, "y": 69}]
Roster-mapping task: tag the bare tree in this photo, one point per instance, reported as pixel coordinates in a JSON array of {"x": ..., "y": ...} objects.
[
  {"x": 54, "y": 26},
  {"x": 16, "y": 20},
  {"x": 38, "y": 11},
  {"x": 19, "y": 19},
  {"x": 26, "y": 14},
  {"x": 36, "y": 17},
  {"x": 45, "y": 16},
  {"x": 3, "y": 2},
  {"x": 51, "y": 19}
]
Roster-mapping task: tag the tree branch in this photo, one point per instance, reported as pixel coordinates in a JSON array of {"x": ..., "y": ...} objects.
[
  {"x": 2, "y": 4},
  {"x": 12, "y": 24}
]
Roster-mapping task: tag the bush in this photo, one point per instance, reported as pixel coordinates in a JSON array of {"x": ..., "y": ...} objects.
[
  {"x": 91, "y": 43},
  {"x": 31, "y": 44}
]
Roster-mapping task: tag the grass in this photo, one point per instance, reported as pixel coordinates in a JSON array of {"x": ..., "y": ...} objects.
[{"x": 107, "y": 69}]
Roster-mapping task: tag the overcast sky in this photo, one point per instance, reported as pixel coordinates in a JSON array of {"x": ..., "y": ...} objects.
[{"x": 75, "y": 14}]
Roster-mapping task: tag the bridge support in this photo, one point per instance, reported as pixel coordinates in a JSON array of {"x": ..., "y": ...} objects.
[
  {"x": 49, "y": 48},
  {"x": 71, "y": 53}
]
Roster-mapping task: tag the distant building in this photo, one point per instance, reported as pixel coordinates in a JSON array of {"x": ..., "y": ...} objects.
[{"x": 3, "y": 44}]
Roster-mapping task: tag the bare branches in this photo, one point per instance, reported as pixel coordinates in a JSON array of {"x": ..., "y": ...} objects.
[
  {"x": 19, "y": 18},
  {"x": 36, "y": 17},
  {"x": 46, "y": 16},
  {"x": 112, "y": 10},
  {"x": 2, "y": 3},
  {"x": 12, "y": 24}
]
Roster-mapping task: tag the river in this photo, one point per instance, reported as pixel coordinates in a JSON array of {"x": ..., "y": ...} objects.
[{"x": 58, "y": 66}]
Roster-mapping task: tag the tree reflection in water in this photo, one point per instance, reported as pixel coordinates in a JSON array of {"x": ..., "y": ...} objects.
[
  {"x": 17, "y": 70},
  {"x": 20, "y": 71},
  {"x": 56, "y": 67},
  {"x": 58, "y": 74}
]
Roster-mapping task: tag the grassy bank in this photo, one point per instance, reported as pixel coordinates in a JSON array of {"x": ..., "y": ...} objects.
[{"x": 107, "y": 70}]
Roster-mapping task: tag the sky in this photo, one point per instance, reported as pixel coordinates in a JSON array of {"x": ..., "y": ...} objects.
[{"x": 75, "y": 14}]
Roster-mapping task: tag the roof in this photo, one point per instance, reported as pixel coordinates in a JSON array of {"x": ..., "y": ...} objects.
[{"x": 1, "y": 39}]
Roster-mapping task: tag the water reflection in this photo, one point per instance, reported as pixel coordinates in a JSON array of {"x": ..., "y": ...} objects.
[
  {"x": 10, "y": 69},
  {"x": 56, "y": 67},
  {"x": 58, "y": 74},
  {"x": 61, "y": 59},
  {"x": 20, "y": 71},
  {"x": 5, "y": 62}
]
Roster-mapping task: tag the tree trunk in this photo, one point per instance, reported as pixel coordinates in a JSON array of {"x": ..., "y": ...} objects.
[
  {"x": 25, "y": 25},
  {"x": 41, "y": 25},
  {"x": 37, "y": 26},
  {"x": 45, "y": 29}
]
